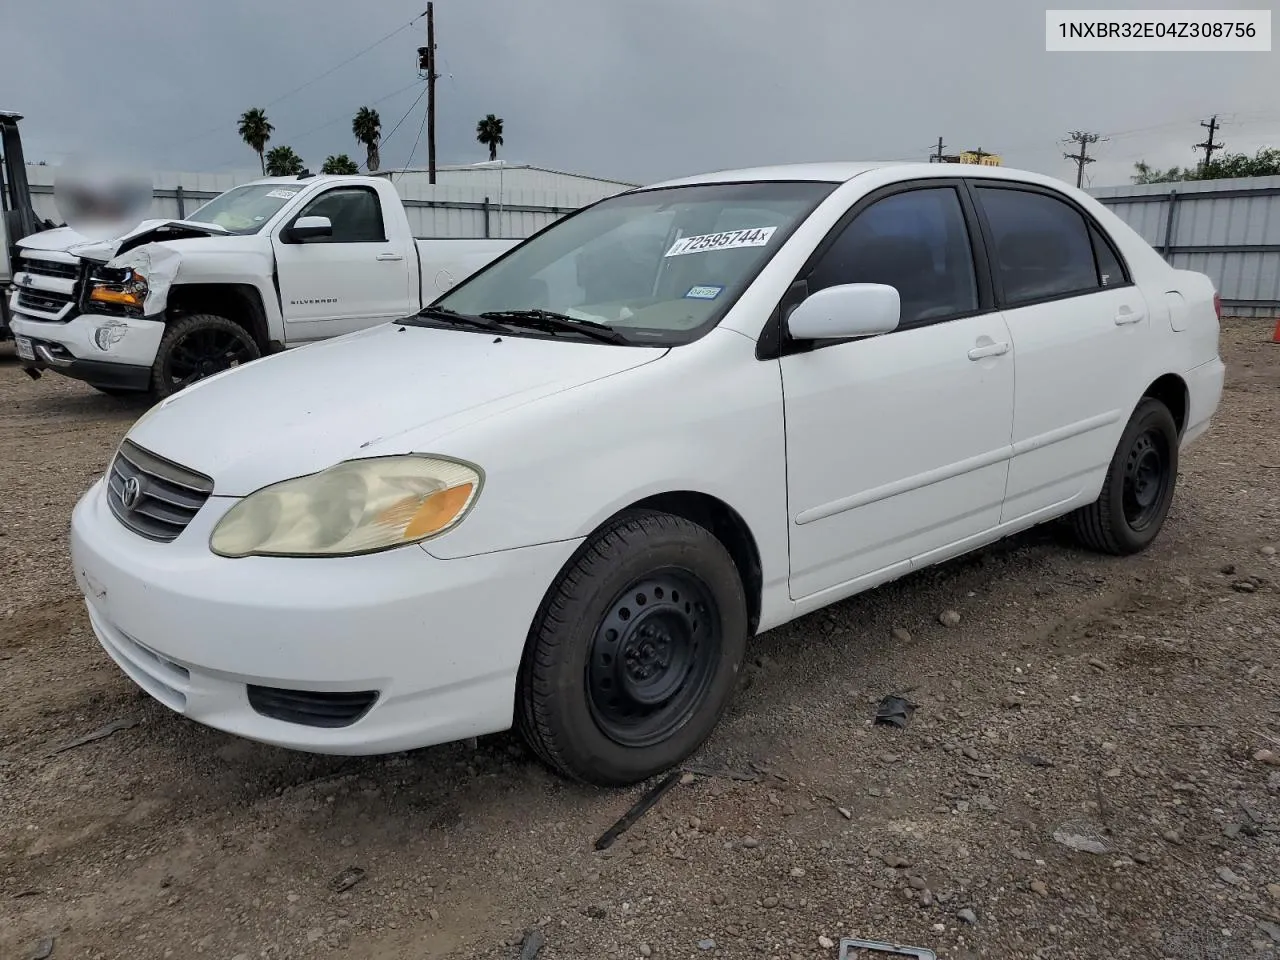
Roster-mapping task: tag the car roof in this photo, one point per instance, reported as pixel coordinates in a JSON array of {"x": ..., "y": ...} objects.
[{"x": 842, "y": 172}]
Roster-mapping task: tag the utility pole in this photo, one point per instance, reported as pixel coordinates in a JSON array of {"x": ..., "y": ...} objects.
[
  {"x": 937, "y": 157},
  {"x": 1081, "y": 158},
  {"x": 1209, "y": 146},
  {"x": 431, "y": 93}
]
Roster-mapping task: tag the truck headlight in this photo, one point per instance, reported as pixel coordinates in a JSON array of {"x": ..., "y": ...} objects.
[
  {"x": 119, "y": 287},
  {"x": 359, "y": 506}
]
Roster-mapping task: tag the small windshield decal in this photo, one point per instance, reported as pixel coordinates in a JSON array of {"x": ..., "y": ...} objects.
[
  {"x": 282, "y": 194},
  {"x": 703, "y": 292},
  {"x": 729, "y": 240}
]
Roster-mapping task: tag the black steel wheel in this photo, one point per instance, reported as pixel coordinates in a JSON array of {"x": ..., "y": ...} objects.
[
  {"x": 1138, "y": 489},
  {"x": 199, "y": 346},
  {"x": 635, "y": 652},
  {"x": 652, "y": 657}
]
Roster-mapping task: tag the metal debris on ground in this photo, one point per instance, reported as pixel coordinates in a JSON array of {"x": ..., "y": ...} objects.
[
  {"x": 851, "y": 949},
  {"x": 1082, "y": 837},
  {"x": 347, "y": 879},
  {"x": 636, "y": 812},
  {"x": 41, "y": 949},
  {"x": 895, "y": 711},
  {"x": 533, "y": 944},
  {"x": 115, "y": 726}
]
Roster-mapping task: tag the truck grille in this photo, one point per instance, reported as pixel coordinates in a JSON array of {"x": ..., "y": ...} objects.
[
  {"x": 46, "y": 301},
  {"x": 154, "y": 498},
  {"x": 50, "y": 268}
]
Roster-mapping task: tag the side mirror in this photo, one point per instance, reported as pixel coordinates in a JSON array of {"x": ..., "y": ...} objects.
[
  {"x": 847, "y": 310},
  {"x": 310, "y": 228}
]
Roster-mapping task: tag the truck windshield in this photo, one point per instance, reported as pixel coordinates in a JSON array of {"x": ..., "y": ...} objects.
[
  {"x": 659, "y": 267},
  {"x": 245, "y": 210}
]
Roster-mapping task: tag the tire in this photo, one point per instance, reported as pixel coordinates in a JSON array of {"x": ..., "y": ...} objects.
[
  {"x": 1131, "y": 509},
  {"x": 196, "y": 347},
  {"x": 678, "y": 669}
]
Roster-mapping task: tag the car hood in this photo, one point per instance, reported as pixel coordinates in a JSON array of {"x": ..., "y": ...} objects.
[
  {"x": 67, "y": 240},
  {"x": 387, "y": 390}
]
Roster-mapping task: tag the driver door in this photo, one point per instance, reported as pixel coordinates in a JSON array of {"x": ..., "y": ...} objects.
[
  {"x": 898, "y": 445},
  {"x": 353, "y": 279}
]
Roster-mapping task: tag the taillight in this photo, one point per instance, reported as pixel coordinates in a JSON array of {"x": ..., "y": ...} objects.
[{"x": 1217, "y": 305}]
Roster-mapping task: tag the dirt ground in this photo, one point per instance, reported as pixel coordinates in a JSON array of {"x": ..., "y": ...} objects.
[{"x": 1127, "y": 707}]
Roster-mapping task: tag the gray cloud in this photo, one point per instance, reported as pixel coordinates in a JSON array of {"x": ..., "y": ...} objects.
[{"x": 639, "y": 90}]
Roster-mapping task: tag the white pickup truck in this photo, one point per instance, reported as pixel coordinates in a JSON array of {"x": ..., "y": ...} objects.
[{"x": 272, "y": 264}]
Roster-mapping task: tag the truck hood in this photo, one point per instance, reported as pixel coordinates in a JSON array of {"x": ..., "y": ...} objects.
[
  {"x": 67, "y": 240},
  {"x": 383, "y": 391}
]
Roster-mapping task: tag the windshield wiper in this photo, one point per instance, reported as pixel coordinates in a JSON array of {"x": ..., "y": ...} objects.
[
  {"x": 461, "y": 319},
  {"x": 551, "y": 321}
]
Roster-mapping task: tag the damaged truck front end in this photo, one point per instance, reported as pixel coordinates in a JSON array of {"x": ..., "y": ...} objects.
[{"x": 95, "y": 311}]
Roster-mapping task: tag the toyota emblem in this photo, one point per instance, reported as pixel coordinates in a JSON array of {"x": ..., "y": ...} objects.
[{"x": 130, "y": 492}]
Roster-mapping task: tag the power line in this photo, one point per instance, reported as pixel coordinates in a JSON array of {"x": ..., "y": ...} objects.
[
  {"x": 426, "y": 113},
  {"x": 416, "y": 101},
  {"x": 303, "y": 86}
]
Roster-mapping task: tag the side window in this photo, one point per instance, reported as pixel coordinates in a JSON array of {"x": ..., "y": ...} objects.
[
  {"x": 1110, "y": 270},
  {"x": 914, "y": 241},
  {"x": 1042, "y": 247},
  {"x": 355, "y": 213}
]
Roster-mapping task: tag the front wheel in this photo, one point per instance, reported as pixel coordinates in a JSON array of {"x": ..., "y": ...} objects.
[
  {"x": 635, "y": 653},
  {"x": 1138, "y": 490},
  {"x": 196, "y": 347}
]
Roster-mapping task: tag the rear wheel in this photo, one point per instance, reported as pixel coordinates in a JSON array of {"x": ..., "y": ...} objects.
[
  {"x": 635, "y": 653},
  {"x": 1131, "y": 509},
  {"x": 199, "y": 346}
]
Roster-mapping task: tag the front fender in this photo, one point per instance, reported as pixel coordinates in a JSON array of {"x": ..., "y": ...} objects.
[{"x": 706, "y": 418}]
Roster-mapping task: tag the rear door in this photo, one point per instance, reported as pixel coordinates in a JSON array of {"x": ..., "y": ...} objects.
[
  {"x": 353, "y": 279},
  {"x": 897, "y": 445},
  {"x": 1079, "y": 328}
]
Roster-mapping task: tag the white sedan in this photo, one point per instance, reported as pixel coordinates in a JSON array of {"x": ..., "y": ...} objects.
[{"x": 564, "y": 496}]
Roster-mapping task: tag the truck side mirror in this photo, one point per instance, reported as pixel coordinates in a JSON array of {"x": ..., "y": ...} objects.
[{"x": 310, "y": 228}]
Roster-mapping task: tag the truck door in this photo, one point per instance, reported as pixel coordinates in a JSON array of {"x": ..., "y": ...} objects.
[{"x": 353, "y": 278}]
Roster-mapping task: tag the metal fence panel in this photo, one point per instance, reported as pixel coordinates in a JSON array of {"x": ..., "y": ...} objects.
[{"x": 1227, "y": 229}]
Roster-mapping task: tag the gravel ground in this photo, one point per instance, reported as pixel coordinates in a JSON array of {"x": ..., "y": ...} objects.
[{"x": 1093, "y": 768}]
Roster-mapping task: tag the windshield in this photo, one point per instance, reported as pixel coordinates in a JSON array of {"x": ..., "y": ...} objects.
[
  {"x": 245, "y": 210},
  {"x": 658, "y": 266}
]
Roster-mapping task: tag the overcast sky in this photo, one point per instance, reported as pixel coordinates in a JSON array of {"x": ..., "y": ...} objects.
[{"x": 634, "y": 89}]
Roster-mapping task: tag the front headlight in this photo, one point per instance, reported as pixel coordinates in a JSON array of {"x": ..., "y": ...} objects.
[
  {"x": 360, "y": 506},
  {"x": 119, "y": 287}
]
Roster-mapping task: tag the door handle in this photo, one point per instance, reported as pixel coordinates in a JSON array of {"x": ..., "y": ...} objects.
[
  {"x": 1128, "y": 315},
  {"x": 989, "y": 350},
  {"x": 390, "y": 256}
]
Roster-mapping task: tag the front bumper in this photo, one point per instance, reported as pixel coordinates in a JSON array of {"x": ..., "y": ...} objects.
[
  {"x": 440, "y": 641},
  {"x": 72, "y": 349}
]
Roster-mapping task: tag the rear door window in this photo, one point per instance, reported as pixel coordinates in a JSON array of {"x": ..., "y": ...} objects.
[{"x": 1041, "y": 249}]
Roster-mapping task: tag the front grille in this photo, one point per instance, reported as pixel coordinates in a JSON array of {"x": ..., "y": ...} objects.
[
  {"x": 154, "y": 498},
  {"x": 50, "y": 268},
  {"x": 47, "y": 301},
  {"x": 311, "y": 708}
]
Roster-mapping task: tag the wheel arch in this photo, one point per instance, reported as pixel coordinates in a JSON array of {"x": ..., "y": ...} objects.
[
  {"x": 1171, "y": 390},
  {"x": 241, "y": 303}
]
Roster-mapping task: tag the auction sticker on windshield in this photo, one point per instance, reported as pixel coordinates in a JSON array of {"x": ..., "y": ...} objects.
[
  {"x": 729, "y": 240},
  {"x": 282, "y": 194}
]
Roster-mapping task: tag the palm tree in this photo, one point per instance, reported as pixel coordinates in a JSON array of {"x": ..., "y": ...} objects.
[
  {"x": 367, "y": 128},
  {"x": 255, "y": 130},
  {"x": 339, "y": 164},
  {"x": 283, "y": 162},
  {"x": 489, "y": 133}
]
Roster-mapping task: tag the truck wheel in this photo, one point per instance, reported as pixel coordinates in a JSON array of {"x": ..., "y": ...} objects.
[
  {"x": 635, "y": 652},
  {"x": 1138, "y": 489},
  {"x": 196, "y": 347}
]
